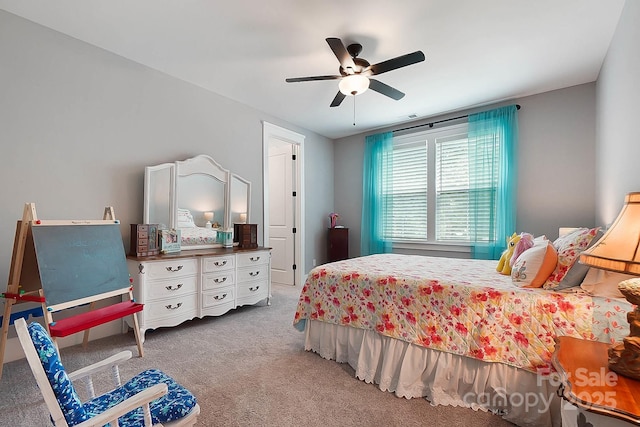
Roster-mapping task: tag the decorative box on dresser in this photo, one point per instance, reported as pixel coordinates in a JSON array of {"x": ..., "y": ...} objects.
[{"x": 198, "y": 283}]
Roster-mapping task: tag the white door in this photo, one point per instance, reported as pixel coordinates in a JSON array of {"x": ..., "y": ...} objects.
[{"x": 282, "y": 211}]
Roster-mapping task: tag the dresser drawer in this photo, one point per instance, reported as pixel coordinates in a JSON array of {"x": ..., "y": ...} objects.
[
  {"x": 168, "y": 269},
  {"x": 252, "y": 292},
  {"x": 169, "y": 288},
  {"x": 218, "y": 263},
  {"x": 218, "y": 279},
  {"x": 258, "y": 289},
  {"x": 184, "y": 306},
  {"x": 258, "y": 272},
  {"x": 219, "y": 297},
  {"x": 248, "y": 259}
]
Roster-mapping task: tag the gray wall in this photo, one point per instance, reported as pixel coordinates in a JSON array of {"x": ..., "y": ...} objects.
[
  {"x": 618, "y": 94},
  {"x": 556, "y": 157},
  {"x": 79, "y": 124}
]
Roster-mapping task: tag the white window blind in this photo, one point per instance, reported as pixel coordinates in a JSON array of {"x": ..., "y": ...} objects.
[
  {"x": 452, "y": 189},
  {"x": 430, "y": 196},
  {"x": 409, "y": 195}
]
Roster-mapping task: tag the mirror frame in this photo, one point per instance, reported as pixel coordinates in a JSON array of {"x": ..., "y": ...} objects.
[
  {"x": 200, "y": 164},
  {"x": 247, "y": 201}
]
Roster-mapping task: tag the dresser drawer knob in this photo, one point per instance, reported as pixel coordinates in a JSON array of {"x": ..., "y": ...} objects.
[
  {"x": 219, "y": 298},
  {"x": 173, "y": 288},
  {"x": 219, "y": 280},
  {"x": 173, "y": 307},
  {"x": 220, "y": 264},
  {"x": 171, "y": 269},
  {"x": 254, "y": 258},
  {"x": 254, "y": 273},
  {"x": 252, "y": 289}
]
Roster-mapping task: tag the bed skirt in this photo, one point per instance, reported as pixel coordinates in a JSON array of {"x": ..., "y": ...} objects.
[{"x": 410, "y": 371}]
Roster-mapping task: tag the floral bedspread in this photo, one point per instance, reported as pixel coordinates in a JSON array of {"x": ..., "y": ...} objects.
[{"x": 460, "y": 306}]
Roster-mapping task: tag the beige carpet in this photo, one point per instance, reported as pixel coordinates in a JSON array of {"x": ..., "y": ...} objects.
[{"x": 247, "y": 368}]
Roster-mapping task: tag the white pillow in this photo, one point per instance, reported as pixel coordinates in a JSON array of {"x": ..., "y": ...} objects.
[
  {"x": 603, "y": 283},
  {"x": 534, "y": 265},
  {"x": 185, "y": 219}
]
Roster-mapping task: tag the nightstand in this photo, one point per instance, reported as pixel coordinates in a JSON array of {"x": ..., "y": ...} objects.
[
  {"x": 602, "y": 397},
  {"x": 338, "y": 244}
]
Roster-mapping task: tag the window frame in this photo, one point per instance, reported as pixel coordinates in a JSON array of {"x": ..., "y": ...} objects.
[{"x": 431, "y": 136}]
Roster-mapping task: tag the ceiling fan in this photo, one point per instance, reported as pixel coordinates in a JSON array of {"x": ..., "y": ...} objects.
[{"x": 355, "y": 73}]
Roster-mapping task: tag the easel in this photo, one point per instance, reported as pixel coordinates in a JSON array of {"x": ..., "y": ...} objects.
[{"x": 29, "y": 288}]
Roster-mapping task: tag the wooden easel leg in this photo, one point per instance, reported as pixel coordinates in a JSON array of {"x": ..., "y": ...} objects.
[
  {"x": 85, "y": 340},
  {"x": 5, "y": 330},
  {"x": 109, "y": 213},
  {"x": 48, "y": 319},
  {"x": 28, "y": 214},
  {"x": 136, "y": 331},
  {"x": 136, "y": 327}
]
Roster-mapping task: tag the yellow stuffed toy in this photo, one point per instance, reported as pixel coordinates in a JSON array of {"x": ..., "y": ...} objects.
[{"x": 504, "y": 266}]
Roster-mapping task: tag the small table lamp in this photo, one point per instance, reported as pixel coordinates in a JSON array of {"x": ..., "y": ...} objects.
[
  {"x": 619, "y": 250},
  {"x": 208, "y": 216}
]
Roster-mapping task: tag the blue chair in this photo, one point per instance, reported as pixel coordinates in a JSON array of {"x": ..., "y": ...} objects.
[{"x": 151, "y": 398}]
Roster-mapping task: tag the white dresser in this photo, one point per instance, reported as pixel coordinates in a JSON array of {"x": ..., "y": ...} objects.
[{"x": 198, "y": 283}]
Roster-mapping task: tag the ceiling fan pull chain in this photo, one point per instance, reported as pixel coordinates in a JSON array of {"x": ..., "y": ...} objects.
[{"x": 354, "y": 110}]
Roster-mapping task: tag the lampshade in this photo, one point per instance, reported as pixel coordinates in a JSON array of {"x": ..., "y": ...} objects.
[
  {"x": 619, "y": 249},
  {"x": 353, "y": 84},
  {"x": 208, "y": 216}
]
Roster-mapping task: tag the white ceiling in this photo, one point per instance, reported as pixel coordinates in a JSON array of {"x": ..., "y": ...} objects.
[{"x": 477, "y": 52}]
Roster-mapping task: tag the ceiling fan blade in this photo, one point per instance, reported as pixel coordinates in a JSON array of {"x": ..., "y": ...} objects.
[
  {"x": 312, "y": 78},
  {"x": 385, "y": 89},
  {"x": 338, "y": 99},
  {"x": 398, "y": 62},
  {"x": 336, "y": 45}
]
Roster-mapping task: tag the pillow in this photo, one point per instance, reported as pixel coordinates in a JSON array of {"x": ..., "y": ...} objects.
[
  {"x": 578, "y": 271},
  {"x": 603, "y": 283},
  {"x": 569, "y": 247},
  {"x": 185, "y": 219},
  {"x": 534, "y": 265}
]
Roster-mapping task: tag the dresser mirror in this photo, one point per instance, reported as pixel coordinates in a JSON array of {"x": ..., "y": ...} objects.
[
  {"x": 239, "y": 199},
  {"x": 198, "y": 197}
]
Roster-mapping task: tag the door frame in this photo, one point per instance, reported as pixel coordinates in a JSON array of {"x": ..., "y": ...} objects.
[{"x": 269, "y": 131}]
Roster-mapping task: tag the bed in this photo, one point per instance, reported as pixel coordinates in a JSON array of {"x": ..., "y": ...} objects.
[{"x": 453, "y": 331}]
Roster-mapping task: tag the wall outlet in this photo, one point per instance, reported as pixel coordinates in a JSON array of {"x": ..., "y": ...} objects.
[{"x": 314, "y": 262}]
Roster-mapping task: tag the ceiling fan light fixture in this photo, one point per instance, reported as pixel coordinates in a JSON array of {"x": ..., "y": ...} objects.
[{"x": 354, "y": 84}]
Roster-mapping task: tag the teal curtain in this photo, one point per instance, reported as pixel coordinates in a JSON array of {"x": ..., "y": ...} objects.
[
  {"x": 493, "y": 143},
  {"x": 376, "y": 194}
]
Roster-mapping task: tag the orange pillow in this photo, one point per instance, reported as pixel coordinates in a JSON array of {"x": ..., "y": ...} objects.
[{"x": 533, "y": 266}]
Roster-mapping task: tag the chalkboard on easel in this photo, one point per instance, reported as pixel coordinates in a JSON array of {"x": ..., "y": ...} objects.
[
  {"x": 65, "y": 264},
  {"x": 79, "y": 261}
]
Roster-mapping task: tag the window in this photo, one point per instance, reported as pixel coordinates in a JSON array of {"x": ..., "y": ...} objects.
[{"x": 430, "y": 189}]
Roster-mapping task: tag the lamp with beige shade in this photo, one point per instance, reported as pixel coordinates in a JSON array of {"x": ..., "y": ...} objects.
[{"x": 619, "y": 251}]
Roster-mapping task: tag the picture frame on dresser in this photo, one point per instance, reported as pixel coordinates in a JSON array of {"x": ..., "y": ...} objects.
[{"x": 169, "y": 241}]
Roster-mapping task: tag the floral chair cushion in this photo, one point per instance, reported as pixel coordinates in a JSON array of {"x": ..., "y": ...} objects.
[
  {"x": 68, "y": 399},
  {"x": 177, "y": 403}
]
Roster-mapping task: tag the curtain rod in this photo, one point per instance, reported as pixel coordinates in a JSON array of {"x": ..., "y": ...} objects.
[{"x": 430, "y": 124}]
